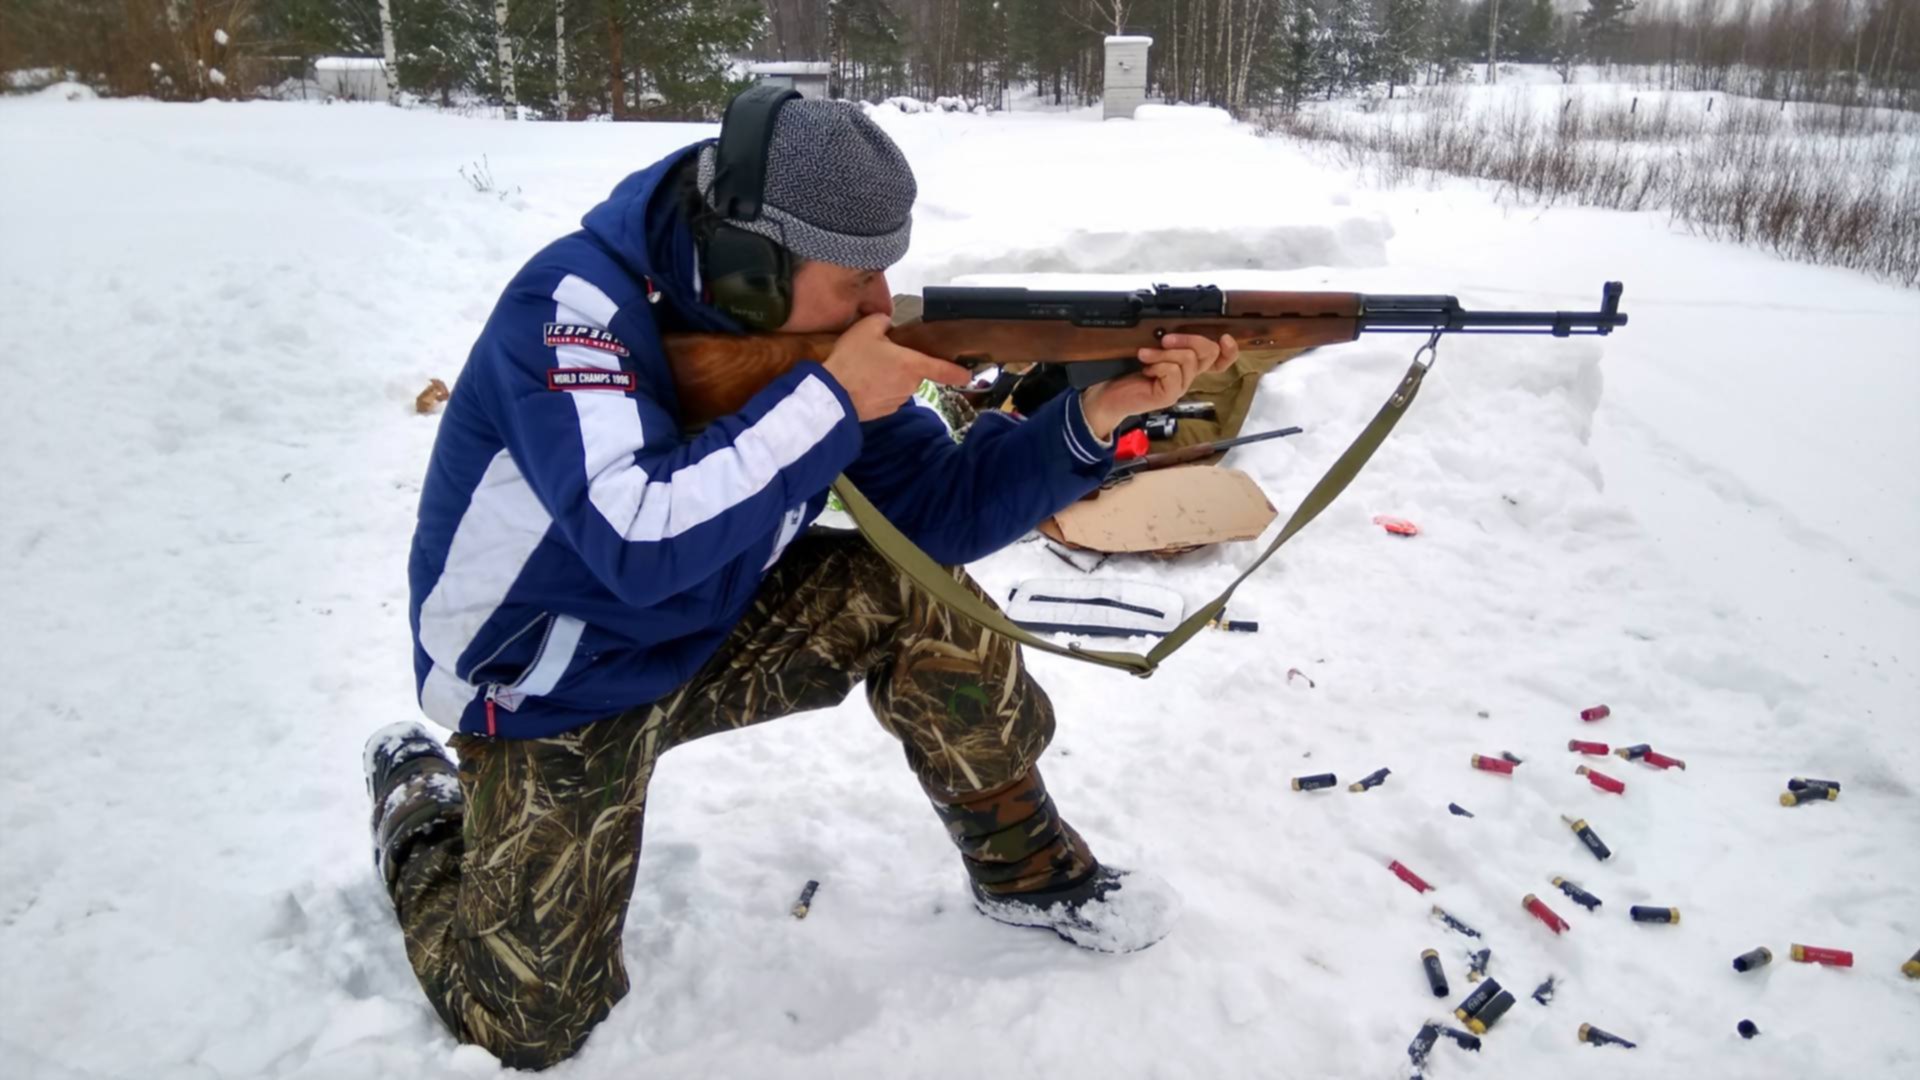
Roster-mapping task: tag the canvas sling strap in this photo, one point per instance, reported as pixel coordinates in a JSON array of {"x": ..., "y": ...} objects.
[{"x": 940, "y": 583}]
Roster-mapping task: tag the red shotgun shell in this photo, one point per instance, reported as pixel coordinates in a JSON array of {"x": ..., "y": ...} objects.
[
  {"x": 1655, "y": 757},
  {"x": 1587, "y": 747},
  {"x": 1408, "y": 876},
  {"x": 1602, "y": 780},
  {"x": 1492, "y": 764},
  {"x": 1598, "y": 712},
  {"x": 1544, "y": 913},
  {"x": 1814, "y": 954}
]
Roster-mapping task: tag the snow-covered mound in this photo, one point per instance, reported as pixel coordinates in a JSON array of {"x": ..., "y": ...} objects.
[{"x": 217, "y": 318}]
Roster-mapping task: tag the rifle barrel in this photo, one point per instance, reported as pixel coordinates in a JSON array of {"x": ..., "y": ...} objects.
[
  {"x": 1196, "y": 451},
  {"x": 1427, "y": 314}
]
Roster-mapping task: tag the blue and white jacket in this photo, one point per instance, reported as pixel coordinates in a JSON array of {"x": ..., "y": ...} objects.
[{"x": 577, "y": 554}]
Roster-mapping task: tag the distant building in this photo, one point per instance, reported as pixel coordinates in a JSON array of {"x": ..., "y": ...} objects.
[
  {"x": 1126, "y": 83},
  {"x": 353, "y": 78},
  {"x": 807, "y": 76}
]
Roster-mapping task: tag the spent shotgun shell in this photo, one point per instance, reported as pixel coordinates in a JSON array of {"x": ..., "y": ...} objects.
[
  {"x": 1593, "y": 1036},
  {"x": 1409, "y": 877},
  {"x": 1477, "y": 1000},
  {"x": 1477, "y": 964},
  {"x": 1634, "y": 752},
  {"x": 1758, "y": 958},
  {"x": 1598, "y": 712},
  {"x": 1643, "y": 913},
  {"x": 1545, "y": 914},
  {"x": 1588, "y": 837},
  {"x": 1492, "y": 764},
  {"x": 1508, "y": 755},
  {"x": 1601, "y": 780},
  {"x": 1814, "y": 954},
  {"x": 1314, "y": 782},
  {"x": 1808, "y": 795},
  {"x": 1422, "y": 1044},
  {"x": 1490, "y": 1014},
  {"x": 1747, "y": 1029},
  {"x": 1457, "y": 810},
  {"x": 1544, "y": 992},
  {"x": 1655, "y": 757},
  {"x": 1453, "y": 923},
  {"x": 1372, "y": 780},
  {"x": 1466, "y": 1040},
  {"x": 1799, "y": 782},
  {"x": 1911, "y": 969},
  {"x": 805, "y": 903},
  {"x": 1436, "y": 978},
  {"x": 1577, "y": 894},
  {"x": 1584, "y": 747}
]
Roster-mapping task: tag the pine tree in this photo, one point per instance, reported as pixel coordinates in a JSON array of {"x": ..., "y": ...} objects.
[
  {"x": 1404, "y": 24},
  {"x": 1604, "y": 26}
]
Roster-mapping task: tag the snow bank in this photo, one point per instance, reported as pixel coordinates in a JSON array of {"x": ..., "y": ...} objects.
[{"x": 1703, "y": 521}]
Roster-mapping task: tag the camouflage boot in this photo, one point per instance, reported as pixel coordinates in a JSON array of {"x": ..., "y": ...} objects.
[
  {"x": 415, "y": 790},
  {"x": 1027, "y": 867}
]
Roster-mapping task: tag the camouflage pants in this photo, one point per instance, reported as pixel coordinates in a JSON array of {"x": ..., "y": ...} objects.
[{"x": 513, "y": 922}]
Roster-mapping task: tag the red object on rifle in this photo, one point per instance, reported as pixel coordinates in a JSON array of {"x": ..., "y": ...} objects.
[{"x": 1131, "y": 445}]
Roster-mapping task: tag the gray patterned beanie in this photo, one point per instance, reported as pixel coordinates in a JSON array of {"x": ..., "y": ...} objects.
[{"x": 837, "y": 190}]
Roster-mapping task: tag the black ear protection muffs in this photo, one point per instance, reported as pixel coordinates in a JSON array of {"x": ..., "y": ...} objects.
[{"x": 750, "y": 276}]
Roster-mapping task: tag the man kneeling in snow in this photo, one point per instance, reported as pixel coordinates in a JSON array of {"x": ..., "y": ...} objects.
[{"x": 592, "y": 586}]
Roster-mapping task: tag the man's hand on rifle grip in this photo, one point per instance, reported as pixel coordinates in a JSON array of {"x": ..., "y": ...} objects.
[
  {"x": 1164, "y": 378},
  {"x": 880, "y": 376}
]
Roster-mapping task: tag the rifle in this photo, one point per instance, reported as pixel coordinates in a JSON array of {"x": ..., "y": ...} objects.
[
  {"x": 1097, "y": 333},
  {"x": 1194, "y": 452}
]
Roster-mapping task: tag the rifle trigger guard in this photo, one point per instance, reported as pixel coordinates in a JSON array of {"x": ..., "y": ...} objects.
[{"x": 1431, "y": 350}]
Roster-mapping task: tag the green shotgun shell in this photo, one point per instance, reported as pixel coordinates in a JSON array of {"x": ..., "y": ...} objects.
[
  {"x": 1477, "y": 1000},
  {"x": 1315, "y": 782},
  {"x": 1484, "y": 1020},
  {"x": 1643, "y": 913},
  {"x": 1758, "y": 958}
]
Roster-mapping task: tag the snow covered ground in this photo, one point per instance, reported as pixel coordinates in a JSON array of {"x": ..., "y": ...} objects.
[{"x": 215, "y": 319}]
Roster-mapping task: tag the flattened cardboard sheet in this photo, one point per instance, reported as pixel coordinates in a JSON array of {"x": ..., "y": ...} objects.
[{"x": 1166, "y": 511}]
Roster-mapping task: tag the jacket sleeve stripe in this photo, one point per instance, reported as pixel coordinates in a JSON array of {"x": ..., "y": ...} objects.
[
  {"x": 644, "y": 510},
  {"x": 504, "y": 522}
]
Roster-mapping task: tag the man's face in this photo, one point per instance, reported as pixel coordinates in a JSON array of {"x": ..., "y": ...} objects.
[{"x": 829, "y": 298}]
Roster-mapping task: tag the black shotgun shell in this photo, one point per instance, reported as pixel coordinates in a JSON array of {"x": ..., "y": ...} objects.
[
  {"x": 1453, "y": 923},
  {"x": 1436, "y": 978},
  {"x": 1477, "y": 964},
  {"x": 1371, "y": 780},
  {"x": 1635, "y": 752},
  {"x": 1422, "y": 1044},
  {"x": 1513, "y": 757},
  {"x": 1490, "y": 1015},
  {"x": 1544, "y": 992},
  {"x": 1589, "y": 837},
  {"x": 1466, "y": 1039},
  {"x": 1477, "y": 1000},
  {"x": 1594, "y": 1036},
  {"x": 1799, "y": 782},
  {"x": 1577, "y": 894},
  {"x": 805, "y": 903},
  {"x": 1809, "y": 794},
  {"x": 1458, "y": 810},
  {"x": 1911, "y": 969},
  {"x": 1758, "y": 958},
  {"x": 1643, "y": 913},
  {"x": 1748, "y": 1029},
  {"x": 1314, "y": 782}
]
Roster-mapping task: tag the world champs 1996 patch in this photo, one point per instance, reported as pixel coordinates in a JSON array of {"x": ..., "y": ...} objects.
[
  {"x": 589, "y": 379},
  {"x": 590, "y": 336}
]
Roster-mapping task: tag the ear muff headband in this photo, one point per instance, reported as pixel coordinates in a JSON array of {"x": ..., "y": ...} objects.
[{"x": 750, "y": 275}]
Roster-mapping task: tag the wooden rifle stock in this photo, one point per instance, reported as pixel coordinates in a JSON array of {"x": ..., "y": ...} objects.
[{"x": 716, "y": 374}]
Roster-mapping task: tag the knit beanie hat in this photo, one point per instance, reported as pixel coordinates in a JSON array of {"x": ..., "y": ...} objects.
[{"x": 837, "y": 188}]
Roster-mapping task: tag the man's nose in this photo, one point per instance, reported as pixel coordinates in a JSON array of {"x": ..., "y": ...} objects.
[{"x": 876, "y": 298}]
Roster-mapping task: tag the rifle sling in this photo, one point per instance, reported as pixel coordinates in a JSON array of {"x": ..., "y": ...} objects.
[{"x": 940, "y": 583}]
